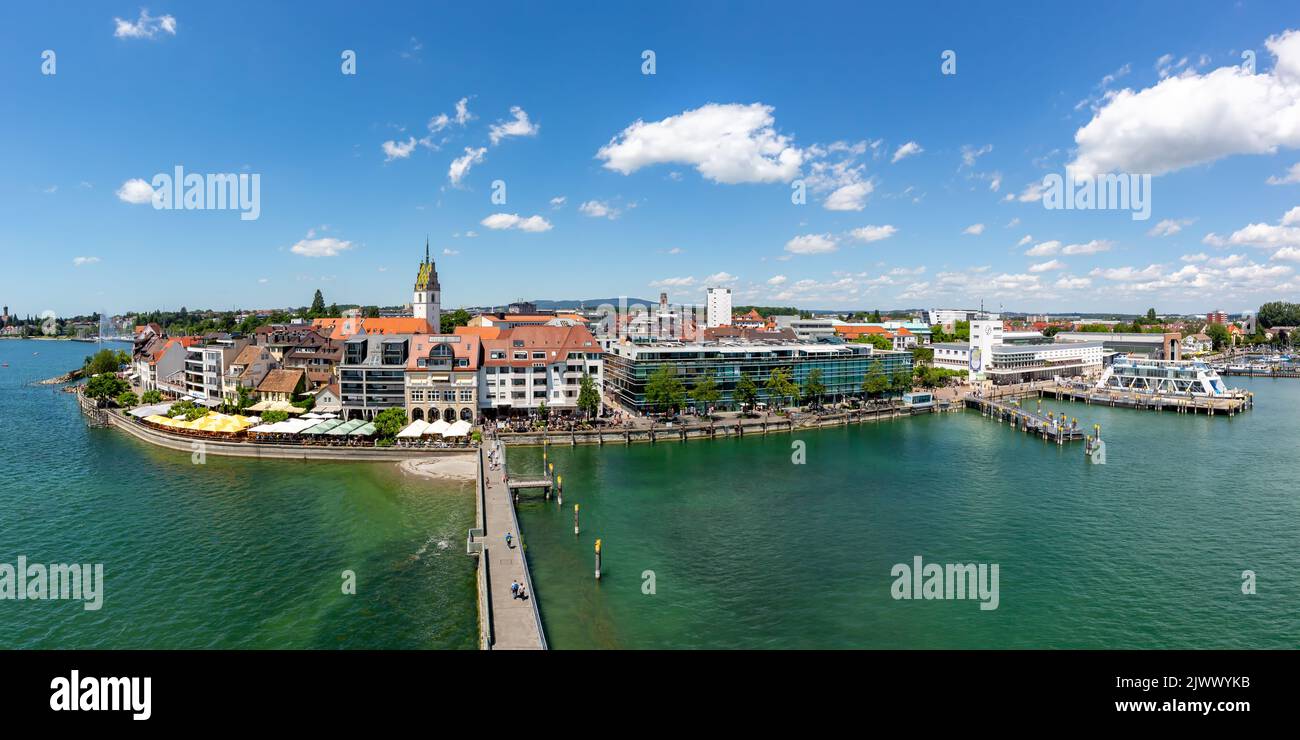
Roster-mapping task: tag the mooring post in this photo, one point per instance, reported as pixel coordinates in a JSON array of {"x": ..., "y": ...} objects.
[
  {"x": 559, "y": 490},
  {"x": 575, "y": 520},
  {"x": 597, "y": 560}
]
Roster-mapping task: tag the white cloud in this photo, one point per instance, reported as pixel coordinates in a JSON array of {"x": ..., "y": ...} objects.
[
  {"x": 558, "y": 201},
  {"x": 730, "y": 144},
  {"x": 873, "y": 233},
  {"x": 323, "y": 247},
  {"x": 852, "y": 197},
  {"x": 720, "y": 278},
  {"x": 1128, "y": 274},
  {"x": 500, "y": 221},
  {"x": 145, "y": 27},
  {"x": 1069, "y": 282},
  {"x": 1024, "y": 240},
  {"x": 969, "y": 154},
  {"x": 463, "y": 115},
  {"x": 811, "y": 244},
  {"x": 777, "y": 280},
  {"x": 1093, "y": 247},
  {"x": 1291, "y": 177},
  {"x": 1170, "y": 226},
  {"x": 906, "y": 150},
  {"x": 1285, "y": 233},
  {"x": 398, "y": 149},
  {"x": 1290, "y": 254},
  {"x": 461, "y": 165},
  {"x": 673, "y": 282},
  {"x": 79, "y": 261},
  {"x": 1047, "y": 266},
  {"x": 520, "y": 126},
  {"x": 136, "y": 192},
  {"x": 1199, "y": 257},
  {"x": 1042, "y": 249},
  {"x": 599, "y": 209},
  {"x": 1033, "y": 192},
  {"x": 1190, "y": 119},
  {"x": 974, "y": 229},
  {"x": 450, "y": 252}
]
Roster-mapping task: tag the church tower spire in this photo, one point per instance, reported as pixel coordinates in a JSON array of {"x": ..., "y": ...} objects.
[{"x": 427, "y": 299}]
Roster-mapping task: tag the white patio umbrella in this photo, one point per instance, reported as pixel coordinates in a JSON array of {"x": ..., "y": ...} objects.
[{"x": 459, "y": 429}]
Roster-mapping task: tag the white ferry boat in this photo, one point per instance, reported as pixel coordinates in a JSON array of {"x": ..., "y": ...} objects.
[{"x": 1162, "y": 377}]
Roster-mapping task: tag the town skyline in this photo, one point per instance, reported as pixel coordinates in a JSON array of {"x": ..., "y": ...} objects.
[{"x": 557, "y": 165}]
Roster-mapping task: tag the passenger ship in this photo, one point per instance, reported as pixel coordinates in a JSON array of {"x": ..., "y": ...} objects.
[{"x": 1162, "y": 377}]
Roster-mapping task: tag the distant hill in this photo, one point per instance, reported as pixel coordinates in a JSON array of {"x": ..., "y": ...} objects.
[{"x": 549, "y": 305}]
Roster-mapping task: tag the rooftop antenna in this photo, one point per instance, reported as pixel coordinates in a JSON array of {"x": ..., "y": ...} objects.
[{"x": 426, "y": 247}]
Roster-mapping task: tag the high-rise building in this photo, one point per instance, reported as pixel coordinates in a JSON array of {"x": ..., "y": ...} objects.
[
  {"x": 1216, "y": 317},
  {"x": 426, "y": 301},
  {"x": 718, "y": 311}
]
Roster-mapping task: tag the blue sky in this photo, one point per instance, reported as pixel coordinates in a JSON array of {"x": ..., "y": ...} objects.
[{"x": 746, "y": 99}]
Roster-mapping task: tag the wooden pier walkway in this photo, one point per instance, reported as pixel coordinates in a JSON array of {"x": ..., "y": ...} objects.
[
  {"x": 1051, "y": 428},
  {"x": 508, "y": 623}
]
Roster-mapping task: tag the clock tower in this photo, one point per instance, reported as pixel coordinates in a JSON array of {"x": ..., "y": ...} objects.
[{"x": 426, "y": 302}]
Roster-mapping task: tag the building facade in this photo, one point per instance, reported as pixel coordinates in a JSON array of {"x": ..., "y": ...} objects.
[
  {"x": 531, "y": 367},
  {"x": 206, "y": 362},
  {"x": 843, "y": 367},
  {"x": 717, "y": 307},
  {"x": 442, "y": 377},
  {"x": 372, "y": 375},
  {"x": 426, "y": 301}
]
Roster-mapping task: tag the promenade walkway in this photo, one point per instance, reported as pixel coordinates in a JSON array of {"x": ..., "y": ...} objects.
[{"x": 515, "y": 623}]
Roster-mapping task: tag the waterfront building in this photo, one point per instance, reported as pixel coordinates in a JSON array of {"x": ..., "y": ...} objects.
[
  {"x": 282, "y": 385},
  {"x": 329, "y": 400},
  {"x": 206, "y": 363},
  {"x": 318, "y": 355},
  {"x": 342, "y": 329},
  {"x": 843, "y": 366},
  {"x": 1022, "y": 363},
  {"x": 527, "y": 367},
  {"x": 1157, "y": 346},
  {"x": 372, "y": 375},
  {"x": 162, "y": 366},
  {"x": 248, "y": 369},
  {"x": 426, "y": 303},
  {"x": 1164, "y": 377},
  {"x": 442, "y": 375},
  {"x": 717, "y": 307},
  {"x": 279, "y": 339}
]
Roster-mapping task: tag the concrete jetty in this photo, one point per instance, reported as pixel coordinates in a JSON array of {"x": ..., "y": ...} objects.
[
  {"x": 1229, "y": 405},
  {"x": 506, "y": 623}
]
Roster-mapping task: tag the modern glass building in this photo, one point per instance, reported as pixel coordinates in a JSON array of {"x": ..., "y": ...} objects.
[{"x": 628, "y": 367}]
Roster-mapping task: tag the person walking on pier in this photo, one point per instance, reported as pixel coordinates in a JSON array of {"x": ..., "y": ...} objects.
[
  {"x": 514, "y": 589},
  {"x": 509, "y": 537}
]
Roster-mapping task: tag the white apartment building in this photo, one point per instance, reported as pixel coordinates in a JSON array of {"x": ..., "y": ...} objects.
[{"x": 718, "y": 307}]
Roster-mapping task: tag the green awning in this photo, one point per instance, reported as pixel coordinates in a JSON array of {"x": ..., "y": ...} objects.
[
  {"x": 323, "y": 427},
  {"x": 346, "y": 427},
  {"x": 365, "y": 430}
]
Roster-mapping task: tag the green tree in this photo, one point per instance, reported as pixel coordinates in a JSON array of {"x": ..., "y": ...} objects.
[
  {"x": 389, "y": 422},
  {"x": 1219, "y": 334},
  {"x": 664, "y": 390},
  {"x": 151, "y": 397},
  {"x": 875, "y": 316},
  {"x": 901, "y": 382},
  {"x": 105, "y": 361},
  {"x": 243, "y": 397},
  {"x": 588, "y": 396},
  {"x": 704, "y": 392},
  {"x": 746, "y": 392},
  {"x": 1278, "y": 313},
  {"x": 453, "y": 319},
  {"x": 875, "y": 382},
  {"x": 879, "y": 341},
  {"x": 922, "y": 355},
  {"x": 127, "y": 399},
  {"x": 1151, "y": 315},
  {"x": 813, "y": 387},
  {"x": 317, "y": 305},
  {"x": 780, "y": 386},
  {"x": 106, "y": 385},
  {"x": 275, "y": 417}
]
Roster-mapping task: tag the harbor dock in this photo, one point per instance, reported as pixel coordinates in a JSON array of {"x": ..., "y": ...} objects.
[
  {"x": 1049, "y": 427},
  {"x": 506, "y": 622},
  {"x": 1228, "y": 405}
]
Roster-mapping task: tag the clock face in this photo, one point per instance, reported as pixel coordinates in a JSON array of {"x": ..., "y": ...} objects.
[{"x": 975, "y": 359}]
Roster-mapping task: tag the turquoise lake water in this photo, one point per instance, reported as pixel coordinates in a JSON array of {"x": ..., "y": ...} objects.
[{"x": 229, "y": 554}]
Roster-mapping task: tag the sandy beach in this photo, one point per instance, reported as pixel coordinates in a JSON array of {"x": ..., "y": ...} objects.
[{"x": 459, "y": 467}]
